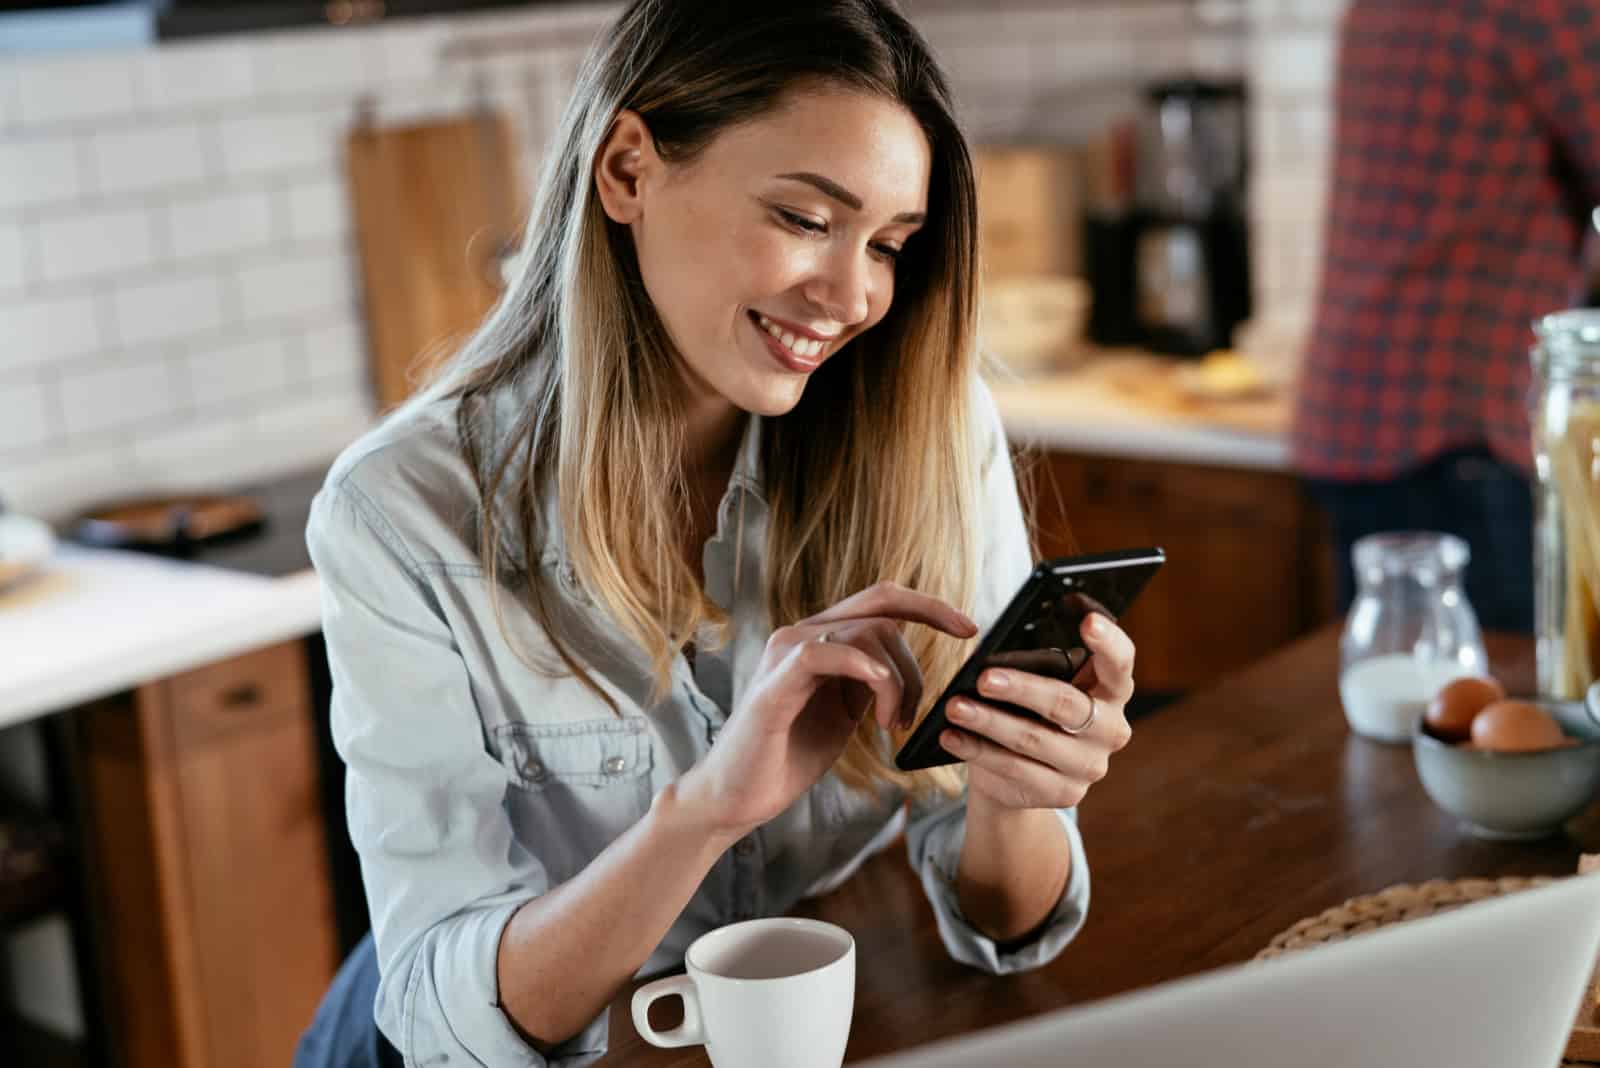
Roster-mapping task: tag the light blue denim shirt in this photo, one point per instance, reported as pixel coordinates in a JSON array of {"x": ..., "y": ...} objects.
[{"x": 476, "y": 783}]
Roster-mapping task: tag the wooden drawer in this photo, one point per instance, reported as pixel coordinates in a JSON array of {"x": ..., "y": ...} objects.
[{"x": 253, "y": 692}]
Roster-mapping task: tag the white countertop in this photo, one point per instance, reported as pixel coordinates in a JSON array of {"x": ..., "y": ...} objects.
[
  {"x": 1076, "y": 412},
  {"x": 97, "y": 621}
]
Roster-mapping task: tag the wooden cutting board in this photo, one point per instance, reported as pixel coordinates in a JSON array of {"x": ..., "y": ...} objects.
[
  {"x": 436, "y": 204},
  {"x": 1152, "y": 382}
]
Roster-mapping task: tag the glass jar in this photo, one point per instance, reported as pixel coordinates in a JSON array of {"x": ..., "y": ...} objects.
[
  {"x": 1410, "y": 630},
  {"x": 1565, "y": 417}
]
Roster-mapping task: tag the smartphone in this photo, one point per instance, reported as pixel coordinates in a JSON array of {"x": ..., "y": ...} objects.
[{"x": 1039, "y": 633}]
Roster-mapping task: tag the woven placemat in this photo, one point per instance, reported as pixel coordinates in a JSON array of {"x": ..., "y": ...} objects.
[{"x": 1397, "y": 904}]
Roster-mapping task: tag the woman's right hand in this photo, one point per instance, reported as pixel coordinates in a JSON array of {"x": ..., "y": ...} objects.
[{"x": 815, "y": 680}]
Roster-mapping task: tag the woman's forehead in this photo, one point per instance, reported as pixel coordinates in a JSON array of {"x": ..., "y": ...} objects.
[{"x": 864, "y": 143}]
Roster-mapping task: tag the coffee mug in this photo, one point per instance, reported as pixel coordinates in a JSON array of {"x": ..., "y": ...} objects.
[{"x": 772, "y": 993}]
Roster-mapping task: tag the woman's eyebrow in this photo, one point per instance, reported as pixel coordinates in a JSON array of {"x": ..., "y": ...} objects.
[{"x": 843, "y": 195}]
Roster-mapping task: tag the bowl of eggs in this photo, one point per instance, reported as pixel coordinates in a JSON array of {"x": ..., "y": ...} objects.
[{"x": 1508, "y": 767}]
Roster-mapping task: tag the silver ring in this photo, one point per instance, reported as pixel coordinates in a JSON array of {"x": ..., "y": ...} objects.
[
  {"x": 1079, "y": 728},
  {"x": 827, "y": 636}
]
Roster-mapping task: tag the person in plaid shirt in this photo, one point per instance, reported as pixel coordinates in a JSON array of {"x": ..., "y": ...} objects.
[{"x": 1466, "y": 164}]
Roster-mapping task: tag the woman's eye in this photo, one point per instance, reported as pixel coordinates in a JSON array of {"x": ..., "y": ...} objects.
[
  {"x": 888, "y": 252},
  {"x": 800, "y": 222}
]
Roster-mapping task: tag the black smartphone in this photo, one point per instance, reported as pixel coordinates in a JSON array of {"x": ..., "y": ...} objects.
[{"x": 1039, "y": 633}]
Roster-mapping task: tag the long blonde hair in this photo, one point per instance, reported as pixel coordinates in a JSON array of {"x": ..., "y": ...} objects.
[{"x": 872, "y": 476}]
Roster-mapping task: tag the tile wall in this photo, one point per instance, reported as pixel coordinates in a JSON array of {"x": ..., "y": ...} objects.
[{"x": 179, "y": 302}]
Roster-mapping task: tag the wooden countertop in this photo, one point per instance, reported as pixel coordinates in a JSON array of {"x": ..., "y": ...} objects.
[{"x": 1232, "y": 814}]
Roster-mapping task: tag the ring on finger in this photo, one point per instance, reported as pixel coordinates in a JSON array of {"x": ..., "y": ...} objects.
[
  {"x": 1079, "y": 728},
  {"x": 827, "y": 636}
]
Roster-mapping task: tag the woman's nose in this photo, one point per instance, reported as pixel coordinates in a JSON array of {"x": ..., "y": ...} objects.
[{"x": 841, "y": 287}]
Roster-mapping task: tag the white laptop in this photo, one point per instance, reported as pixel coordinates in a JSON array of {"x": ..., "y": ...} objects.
[{"x": 1496, "y": 984}]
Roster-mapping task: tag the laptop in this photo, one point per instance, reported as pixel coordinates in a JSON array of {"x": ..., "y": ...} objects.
[{"x": 1496, "y": 984}]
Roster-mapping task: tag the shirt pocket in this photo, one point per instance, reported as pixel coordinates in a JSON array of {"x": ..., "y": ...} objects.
[{"x": 574, "y": 787}]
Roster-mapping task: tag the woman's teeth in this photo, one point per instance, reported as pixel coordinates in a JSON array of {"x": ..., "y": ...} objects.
[{"x": 804, "y": 347}]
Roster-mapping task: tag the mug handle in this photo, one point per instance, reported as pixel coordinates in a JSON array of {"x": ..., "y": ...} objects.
[{"x": 688, "y": 1033}]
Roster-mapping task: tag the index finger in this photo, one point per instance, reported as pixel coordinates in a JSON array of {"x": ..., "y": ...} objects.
[{"x": 894, "y": 601}]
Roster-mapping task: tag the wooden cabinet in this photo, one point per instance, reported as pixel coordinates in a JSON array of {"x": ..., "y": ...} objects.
[
  {"x": 211, "y": 873},
  {"x": 1247, "y": 569}
]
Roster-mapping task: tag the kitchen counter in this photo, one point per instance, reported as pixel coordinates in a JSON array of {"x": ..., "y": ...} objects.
[
  {"x": 1127, "y": 406},
  {"x": 97, "y": 621}
]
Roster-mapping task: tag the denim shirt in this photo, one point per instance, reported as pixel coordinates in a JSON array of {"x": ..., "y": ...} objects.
[{"x": 476, "y": 783}]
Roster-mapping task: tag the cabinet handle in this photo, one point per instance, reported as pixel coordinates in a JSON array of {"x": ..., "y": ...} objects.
[{"x": 241, "y": 696}]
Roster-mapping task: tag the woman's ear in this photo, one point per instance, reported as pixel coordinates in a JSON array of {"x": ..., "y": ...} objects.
[{"x": 627, "y": 156}]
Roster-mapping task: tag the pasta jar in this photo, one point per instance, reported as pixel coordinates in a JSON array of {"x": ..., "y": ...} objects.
[{"x": 1565, "y": 417}]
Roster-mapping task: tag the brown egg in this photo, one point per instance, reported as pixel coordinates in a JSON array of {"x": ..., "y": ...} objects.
[
  {"x": 1516, "y": 727},
  {"x": 1452, "y": 709}
]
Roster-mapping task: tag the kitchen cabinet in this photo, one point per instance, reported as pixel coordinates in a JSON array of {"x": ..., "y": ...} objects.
[
  {"x": 213, "y": 902},
  {"x": 1248, "y": 565}
]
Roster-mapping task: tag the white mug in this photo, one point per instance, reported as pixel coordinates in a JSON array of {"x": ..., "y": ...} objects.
[{"x": 773, "y": 993}]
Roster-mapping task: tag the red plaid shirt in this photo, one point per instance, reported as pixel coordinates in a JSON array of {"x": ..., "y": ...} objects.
[{"x": 1466, "y": 161}]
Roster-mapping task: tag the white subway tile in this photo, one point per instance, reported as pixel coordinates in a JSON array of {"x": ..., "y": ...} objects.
[
  {"x": 295, "y": 140},
  {"x": 57, "y": 482},
  {"x": 136, "y": 389},
  {"x": 1294, "y": 62},
  {"x": 334, "y": 349},
  {"x": 410, "y": 49},
  {"x": 43, "y": 331},
  {"x": 68, "y": 88},
  {"x": 308, "y": 430},
  {"x": 8, "y": 96},
  {"x": 90, "y": 243},
  {"x": 25, "y": 414},
  {"x": 308, "y": 62},
  {"x": 213, "y": 449},
  {"x": 148, "y": 157},
  {"x": 169, "y": 308},
  {"x": 220, "y": 224},
  {"x": 314, "y": 282},
  {"x": 13, "y": 259},
  {"x": 41, "y": 169},
  {"x": 226, "y": 372},
  {"x": 318, "y": 210},
  {"x": 207, "y": 73}
]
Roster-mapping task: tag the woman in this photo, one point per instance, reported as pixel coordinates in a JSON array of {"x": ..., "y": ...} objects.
[{"x": 628, "y": 610}]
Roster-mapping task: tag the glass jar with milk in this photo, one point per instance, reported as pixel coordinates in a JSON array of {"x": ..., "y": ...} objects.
[{"x": 1409, "y": 631}]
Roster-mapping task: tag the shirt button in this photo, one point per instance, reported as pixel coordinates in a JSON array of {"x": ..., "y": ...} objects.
[
  {"x": 745, "y": 847},
  {"x": 615, "y": 765},
  {"x": 534, "y": 770}
]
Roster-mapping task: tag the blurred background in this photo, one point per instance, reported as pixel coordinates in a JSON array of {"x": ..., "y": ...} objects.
[{"x": 229, "y": 230}]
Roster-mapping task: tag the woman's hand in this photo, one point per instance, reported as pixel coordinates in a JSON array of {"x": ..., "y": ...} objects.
[
  {"x": 816, "y": 679},
  {"x": 1017, "y": 763}
]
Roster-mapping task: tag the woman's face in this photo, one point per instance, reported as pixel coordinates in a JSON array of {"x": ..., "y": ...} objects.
[{"x": 776, "y": 245}]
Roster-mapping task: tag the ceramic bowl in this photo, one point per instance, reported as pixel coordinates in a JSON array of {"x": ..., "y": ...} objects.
[
  {"x": 1514, "y": 795},
  {"x": 1035, "y": 323}
]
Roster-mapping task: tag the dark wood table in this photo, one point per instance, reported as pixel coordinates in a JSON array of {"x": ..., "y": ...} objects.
[{"x": 1232, "y": 814}]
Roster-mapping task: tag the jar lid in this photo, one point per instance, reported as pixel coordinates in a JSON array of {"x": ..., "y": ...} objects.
[
  {"x": 1567, "y": 338},
  {"x": 1425, "y": 554}
]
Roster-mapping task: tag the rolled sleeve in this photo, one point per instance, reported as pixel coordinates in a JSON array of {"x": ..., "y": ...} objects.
[
  {"x": 934, "y": 841},
  {"x": 443, "y": 872}
]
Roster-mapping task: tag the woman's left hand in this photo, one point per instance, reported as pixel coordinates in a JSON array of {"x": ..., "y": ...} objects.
[{"x": 1019, "y": 763}]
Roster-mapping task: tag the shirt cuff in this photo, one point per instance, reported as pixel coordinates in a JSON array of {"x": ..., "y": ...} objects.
[
  {"x": 450, "y": 1009},
  {"x": 936, "y": 856}
]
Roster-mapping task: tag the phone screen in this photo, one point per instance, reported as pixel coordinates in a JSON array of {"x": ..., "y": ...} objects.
[{"x": 1040, "y": 633}]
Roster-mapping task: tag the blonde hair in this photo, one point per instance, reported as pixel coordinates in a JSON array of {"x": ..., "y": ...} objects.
[{"x": 872, "y": 476}]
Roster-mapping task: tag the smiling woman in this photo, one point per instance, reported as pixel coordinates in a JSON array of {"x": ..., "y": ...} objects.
[{"x": 621, "y": 600}]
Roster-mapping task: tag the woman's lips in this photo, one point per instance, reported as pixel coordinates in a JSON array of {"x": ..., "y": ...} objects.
[{"x": 786, "y": 357}]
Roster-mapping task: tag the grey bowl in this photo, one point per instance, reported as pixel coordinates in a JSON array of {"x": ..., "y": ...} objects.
[{"x": 1514, "y": 795}]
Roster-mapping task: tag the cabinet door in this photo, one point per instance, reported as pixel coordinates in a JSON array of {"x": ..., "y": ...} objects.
[
  {"x": 213, "y": 774},
  {"x": 1246, "y": 565}
]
